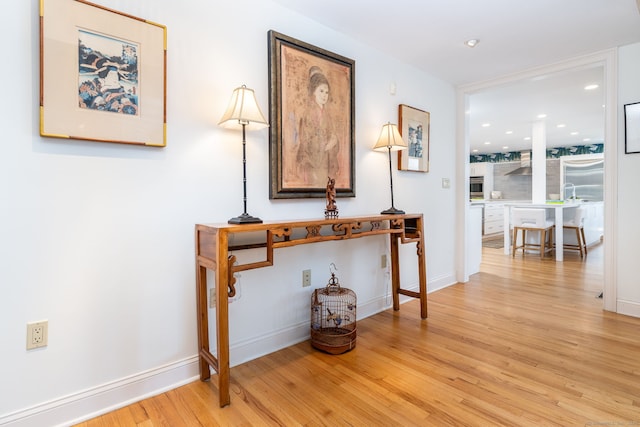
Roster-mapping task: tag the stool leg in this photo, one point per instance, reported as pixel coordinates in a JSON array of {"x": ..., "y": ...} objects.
[
  {"x": 579, "y": 240},
  {"x": 515, "y": 239},
  {"x": 584, "y": 241},
  {"x": 543, "y": 242}
]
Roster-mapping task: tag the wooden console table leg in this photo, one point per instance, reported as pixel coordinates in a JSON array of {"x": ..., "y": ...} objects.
[
  {"x": 222, "y": 324},
  {"x": 422, "y": 274},
  {"x": 395, "y": 271},
  {"x": 203, "y": 320}
]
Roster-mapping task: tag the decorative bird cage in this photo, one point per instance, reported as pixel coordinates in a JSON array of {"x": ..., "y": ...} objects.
[{"x": 333, "y": 318}]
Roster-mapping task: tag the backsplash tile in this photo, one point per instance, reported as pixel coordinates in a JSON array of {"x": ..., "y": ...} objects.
[{"x": 518, "y": 187}]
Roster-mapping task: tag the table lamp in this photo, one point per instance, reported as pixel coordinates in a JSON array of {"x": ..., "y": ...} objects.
[
  {"x": 390, "y": 140},
  {"x": 243, "y": 110}
]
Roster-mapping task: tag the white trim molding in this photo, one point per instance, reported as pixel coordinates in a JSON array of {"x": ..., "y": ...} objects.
[
  {"x": 629, "y": 308},
  {"x": 87, "y": 404}
]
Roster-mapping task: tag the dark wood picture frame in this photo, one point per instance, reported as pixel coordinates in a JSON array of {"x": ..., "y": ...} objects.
[
  {"x": 414, "y": 126},
  {"x": 632, "y": 128},
  {"x": 311, "y": 115}
]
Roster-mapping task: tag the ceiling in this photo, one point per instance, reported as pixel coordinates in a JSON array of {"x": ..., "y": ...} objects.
[
  {"x": 501, "y": 119},
  {"x": 513, "y": 36}
]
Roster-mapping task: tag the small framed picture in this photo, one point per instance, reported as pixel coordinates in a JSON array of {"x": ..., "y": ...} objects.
[
  {"x": 414, "y": 128},
  {"x": 632, "y": 128},
  {"x": 102, "y": 75},
  {"x": 311, "y": 110}
]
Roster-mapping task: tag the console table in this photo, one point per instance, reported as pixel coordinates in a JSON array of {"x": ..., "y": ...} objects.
[{"x": 212, "y": 252}]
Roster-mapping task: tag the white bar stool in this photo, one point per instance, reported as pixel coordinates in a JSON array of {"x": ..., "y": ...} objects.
[
  {"x": 576, "y": 223},
  {"x": 525, "y": 219}
]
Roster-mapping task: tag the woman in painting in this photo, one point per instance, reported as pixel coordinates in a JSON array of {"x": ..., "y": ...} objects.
[{"x": 317, "y": 155}]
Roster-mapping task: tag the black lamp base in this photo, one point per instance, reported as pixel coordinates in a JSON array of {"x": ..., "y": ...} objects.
[
  {"x": 245, "y": 218},
  {"x": 392, "y": 211}
]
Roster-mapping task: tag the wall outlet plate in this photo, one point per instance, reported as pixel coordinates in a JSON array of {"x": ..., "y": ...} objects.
[
  {"x": 212, "y": 297},
  {"x": 306, "y": 278},
  {"x": 37, "y": 334}
]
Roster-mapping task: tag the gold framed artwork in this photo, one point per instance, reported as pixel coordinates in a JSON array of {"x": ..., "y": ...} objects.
[
  {"x": 311, "y": 113},
  {"x": 414, "y": 128},
  {"x": 102, "y": 75}
]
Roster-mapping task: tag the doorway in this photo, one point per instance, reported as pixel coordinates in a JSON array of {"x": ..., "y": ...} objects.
[{"x": 606, "y": 61}]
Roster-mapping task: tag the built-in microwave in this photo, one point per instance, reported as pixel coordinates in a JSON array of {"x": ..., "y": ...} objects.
[{"x": 476, "y": 187}]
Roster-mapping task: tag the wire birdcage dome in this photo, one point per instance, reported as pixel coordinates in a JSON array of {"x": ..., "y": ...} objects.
[{"x": 333, "y": 317}]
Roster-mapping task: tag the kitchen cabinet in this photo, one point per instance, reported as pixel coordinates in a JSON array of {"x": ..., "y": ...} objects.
[
  {"x": 477, "y": 169},
  {"x": 484, "y": 170},
  {"x": 493, "y": 218}
]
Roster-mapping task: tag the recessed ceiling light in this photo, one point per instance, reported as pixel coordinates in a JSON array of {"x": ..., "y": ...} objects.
[
  {"x": 591, "y": 87},
  {"x": 505, "y": 147},
  {"x": 472, "y": 42},
  {"x": 475, "y": 150},
  {"x": 574, "y": 133},
  {"x": 561, "y": 125},
  {"x": 586, "y": 140},
  {"x": 486, "y": 125},
  {"x": 509, "y": 132},
  {"x": 487, "y": 143},
  {"x": 542, "y": 116},
  {"x": 527, "y": 138}
]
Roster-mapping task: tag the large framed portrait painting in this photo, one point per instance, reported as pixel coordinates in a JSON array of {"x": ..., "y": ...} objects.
[{"x": 311, "y": 110}]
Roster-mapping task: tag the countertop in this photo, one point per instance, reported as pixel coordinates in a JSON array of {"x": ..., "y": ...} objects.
[{"x": 496, "y": 201}]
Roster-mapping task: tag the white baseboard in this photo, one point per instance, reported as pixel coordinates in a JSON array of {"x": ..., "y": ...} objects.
[
  {"x": 244, "y": 351},
  {"x": 99, "y": 400},
  {"x": 241, "y": 352},
  {"x": 442, "y": 282},
  {"x": 628, "y": 308},
  {"x": 84, "y": 405}
]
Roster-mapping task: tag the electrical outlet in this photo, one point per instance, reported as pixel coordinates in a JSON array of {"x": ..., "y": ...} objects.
[
  {"x": 212, "y": 297},
  {"x": 306, "y": 278},
  {"x": 37, "y": 334},
  {"x": 383, "y": 261}
]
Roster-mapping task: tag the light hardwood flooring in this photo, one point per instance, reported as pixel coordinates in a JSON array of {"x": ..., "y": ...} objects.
[{"x": 524, "y": 343}]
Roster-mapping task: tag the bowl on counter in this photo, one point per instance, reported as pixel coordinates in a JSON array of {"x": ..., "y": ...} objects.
[{"x": 554, "y": 196}]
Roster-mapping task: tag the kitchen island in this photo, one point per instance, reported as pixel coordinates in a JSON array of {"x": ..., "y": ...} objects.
[{"x": 559, "y": 209}]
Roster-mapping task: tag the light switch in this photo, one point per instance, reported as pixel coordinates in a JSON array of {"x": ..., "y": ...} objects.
[{"x": 446, "y": 183}]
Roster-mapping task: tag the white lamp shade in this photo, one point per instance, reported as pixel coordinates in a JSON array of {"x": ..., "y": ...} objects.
[
  {"x": 390, "y": 139},
  {"x": 243, "y": 109}
]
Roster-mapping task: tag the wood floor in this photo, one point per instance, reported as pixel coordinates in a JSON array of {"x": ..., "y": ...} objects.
[{"x": 524, "y": 343}]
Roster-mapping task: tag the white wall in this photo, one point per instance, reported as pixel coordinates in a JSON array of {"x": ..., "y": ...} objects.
[
  {"x": 628, "y": 291},
  {"x": 98, "y": 238}
]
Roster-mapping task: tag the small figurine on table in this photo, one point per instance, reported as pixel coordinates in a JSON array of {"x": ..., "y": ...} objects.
[{"x": 332, "y": 210}]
